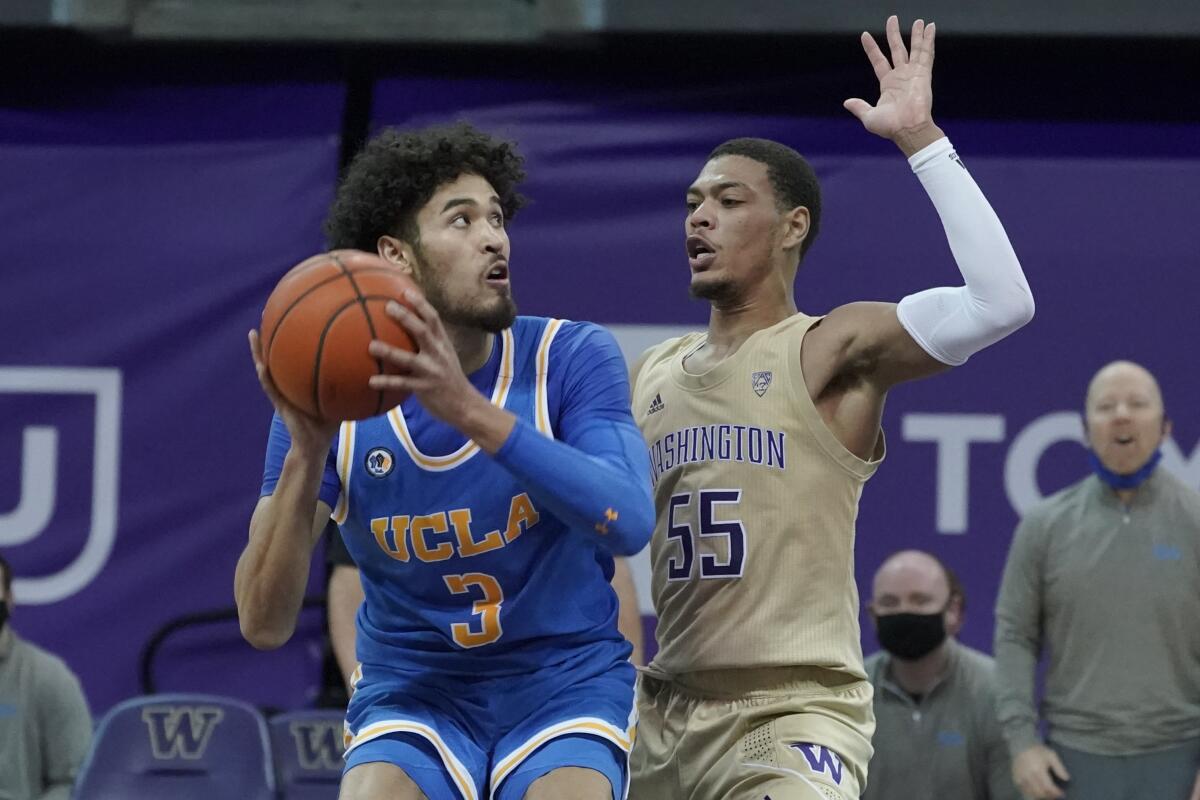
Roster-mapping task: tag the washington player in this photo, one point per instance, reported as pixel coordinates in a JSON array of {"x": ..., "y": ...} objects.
[
  {"x": 483, "y": 512},
  {"x": 762, "y": 432}
]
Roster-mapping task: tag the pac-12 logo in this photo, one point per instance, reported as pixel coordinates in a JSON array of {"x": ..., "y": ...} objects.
[
  {"x": 760, "y": 382},
  {"x": 380, "y": 462},
  {"x": 40, "y": 489}
]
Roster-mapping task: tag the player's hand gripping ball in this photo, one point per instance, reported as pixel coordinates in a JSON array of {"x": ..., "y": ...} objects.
[{"x": 316, "y": 327}]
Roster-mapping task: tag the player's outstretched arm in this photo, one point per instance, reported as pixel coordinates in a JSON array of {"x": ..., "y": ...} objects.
[
  {"x": 272, "y": 572},
  {"x": 936, "y": 328}
]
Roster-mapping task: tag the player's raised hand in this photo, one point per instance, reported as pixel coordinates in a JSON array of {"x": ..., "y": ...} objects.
[
  {"x": 434, "y": 373},
  {"x": 904, "y": 111},
  {"x": 307, "y": 432}
]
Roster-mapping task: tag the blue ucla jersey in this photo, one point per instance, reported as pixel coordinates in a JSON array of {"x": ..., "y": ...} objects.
[{"x": 466, "y": 573}]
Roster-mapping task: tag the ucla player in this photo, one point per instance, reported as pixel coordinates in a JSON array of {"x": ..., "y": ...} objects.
[
  {"x": 484, "y": 512},
  {"x": 762, "y": 432}
]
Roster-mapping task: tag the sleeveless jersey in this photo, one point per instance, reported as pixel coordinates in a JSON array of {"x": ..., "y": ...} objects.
[
  {"x": 753, "y": 552},
  {"x": 464, "y": 573}
]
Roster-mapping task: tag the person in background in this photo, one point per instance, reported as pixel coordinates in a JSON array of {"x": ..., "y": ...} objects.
[
  {"x": 1103, "y": 575},
  {"x": 45, "y": 726},
  {"x": 936, "y": 732}
]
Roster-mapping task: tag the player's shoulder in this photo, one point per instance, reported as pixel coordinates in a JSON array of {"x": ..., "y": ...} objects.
[
  {"x": 668, "y": 349},
  {"x": 569, "y": 336}
]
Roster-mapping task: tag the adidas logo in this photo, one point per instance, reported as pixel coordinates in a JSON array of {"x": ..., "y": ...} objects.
[{"x": 656, "y": 404}]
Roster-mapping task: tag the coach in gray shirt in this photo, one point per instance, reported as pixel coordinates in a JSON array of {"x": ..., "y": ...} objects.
[
  {"x": 45, "y": 728},
  {"x": 936, "y": 735},
  {"x": 1104, "y": 577}
]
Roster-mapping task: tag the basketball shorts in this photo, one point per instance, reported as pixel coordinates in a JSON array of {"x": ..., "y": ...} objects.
[
  {"x": 781, "y": 733},
  {"x": 475, "y": 738}
]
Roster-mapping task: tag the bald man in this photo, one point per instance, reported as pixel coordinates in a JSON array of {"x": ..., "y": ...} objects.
[
  {"x": 936, "y": 732},
  {"x": 1104, "y": 578}
]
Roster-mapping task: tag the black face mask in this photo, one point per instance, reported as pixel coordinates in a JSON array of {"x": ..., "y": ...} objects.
[{"x": 910, "y": 636}]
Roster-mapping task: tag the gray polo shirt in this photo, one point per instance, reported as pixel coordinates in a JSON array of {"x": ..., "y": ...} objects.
[
  {"x": 1112, "y": 595},
  {"x": 45, "y": 727},
  {"x": 947, "y": 746}
]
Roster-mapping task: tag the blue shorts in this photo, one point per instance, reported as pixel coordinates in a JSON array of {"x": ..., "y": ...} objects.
[{"x": 475, "y": 738}]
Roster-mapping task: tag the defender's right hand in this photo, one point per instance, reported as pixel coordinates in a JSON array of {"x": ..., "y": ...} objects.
[
  {"x": 1033, "y": 769},
  {"x": 309, "y": 434}
]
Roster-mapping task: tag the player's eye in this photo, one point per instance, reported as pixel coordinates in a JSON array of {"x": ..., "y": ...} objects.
[
  {"x": 498, "y": 219},
  {"x": 692, "y": 205},
  {"x": 729, "y": 202},
  {"x": 460, "y": 220}
]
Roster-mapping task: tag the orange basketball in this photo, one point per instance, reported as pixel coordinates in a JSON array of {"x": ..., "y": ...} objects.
[{"x": 316, "y": 327}]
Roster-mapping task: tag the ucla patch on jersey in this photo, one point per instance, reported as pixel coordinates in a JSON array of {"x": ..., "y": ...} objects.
[
  {"x": 760, "y": 382},
  {"x": 379, "y": 462}
]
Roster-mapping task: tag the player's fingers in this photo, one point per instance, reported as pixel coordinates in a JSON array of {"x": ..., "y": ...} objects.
[
  {"x": 930, "y": 35},
  {"x": 896, "y": 42},
  {"x": 255, "y": 346},
  {"x": 1056, "y": 766},
  {"x": 857, "y": 106},
  {"x": 396, "y": 383},
  {"x": 878, "y": 60},
  {"x": 916, "y": 40},
  {"x": 393, "y": 355},
  {"x": 424, "y": 309},
  {"x": 414, "y": 324}
]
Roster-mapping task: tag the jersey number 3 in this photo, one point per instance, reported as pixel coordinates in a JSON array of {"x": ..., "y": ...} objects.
[
  {"x": 487, "y": 609},
  {"x": 679, "y": 568}
]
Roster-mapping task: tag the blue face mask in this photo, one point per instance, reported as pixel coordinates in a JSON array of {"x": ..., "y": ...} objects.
[{"x": 1130, "y": 481}]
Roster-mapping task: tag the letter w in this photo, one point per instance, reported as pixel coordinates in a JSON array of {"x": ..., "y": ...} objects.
[
  {"x": 180, "y": 731},
  {"x": 318, "y": 745},
  {"x": 821, "y": 759}
]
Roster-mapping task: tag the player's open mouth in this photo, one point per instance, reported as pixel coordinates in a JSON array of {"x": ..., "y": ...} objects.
[
  {"x": 498, "y": 274},
  {"x": 700, "y": 253}
]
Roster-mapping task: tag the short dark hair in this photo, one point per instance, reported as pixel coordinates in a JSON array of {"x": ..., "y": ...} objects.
[
  {"x": 956, "y": 587},
  {"x": 792, "y": 178},
  {"x": 6, "y": 577},
  {"x": 398, "y": 171}
]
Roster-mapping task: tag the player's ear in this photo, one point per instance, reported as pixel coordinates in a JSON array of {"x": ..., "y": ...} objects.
[
  {"x": 398, "y": 252},
  {"x": 796, "y": 223}
]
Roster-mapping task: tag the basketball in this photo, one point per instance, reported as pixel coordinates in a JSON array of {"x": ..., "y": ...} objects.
[{"x": 317, "y": 324}]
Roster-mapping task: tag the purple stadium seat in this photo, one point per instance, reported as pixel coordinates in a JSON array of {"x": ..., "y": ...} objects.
[
  {"x": 308, "y": 747},
  {"x": 179, "y": 746}
]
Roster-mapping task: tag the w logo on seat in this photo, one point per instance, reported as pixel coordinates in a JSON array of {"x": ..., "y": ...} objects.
[
  {"x": 821, "y": 759},
  {"x": 181, "y": 731},
  {"x": 318, "y": 744}
]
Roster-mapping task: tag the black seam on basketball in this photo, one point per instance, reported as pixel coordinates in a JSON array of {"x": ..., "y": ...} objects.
[
  {"x": 362, "y": 302},
  {"x": 320, "y": 356},
  {"x": 288, "y": 310}
]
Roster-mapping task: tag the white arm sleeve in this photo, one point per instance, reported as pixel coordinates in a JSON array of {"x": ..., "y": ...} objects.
[{"x": 953, "y": 323}]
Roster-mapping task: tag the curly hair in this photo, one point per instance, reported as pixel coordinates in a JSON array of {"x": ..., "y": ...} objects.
[
  {"x": 792, "y": 178},
  {"x": 398, "y": 171}
]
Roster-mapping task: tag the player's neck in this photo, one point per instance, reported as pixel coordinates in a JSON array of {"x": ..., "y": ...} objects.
[
  {"x": 921, "y": 675},
  {"x": 731, "y": 324},
  {"x": 474, "y": 346}
]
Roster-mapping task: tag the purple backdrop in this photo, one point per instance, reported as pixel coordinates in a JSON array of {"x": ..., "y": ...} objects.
[
  {"x": 1099, "y": 213},
  {"x": 144, "y": 228}
]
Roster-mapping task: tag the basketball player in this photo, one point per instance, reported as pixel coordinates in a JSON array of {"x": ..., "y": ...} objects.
[
  {"x": 483, "y": 512},
  {"x": 762, "y": 432}
]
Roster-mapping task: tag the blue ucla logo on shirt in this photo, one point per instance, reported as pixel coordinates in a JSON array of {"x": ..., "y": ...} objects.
[
  {"x": 1166, "y": 552},
  {"x": 951, "y": 739}
]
